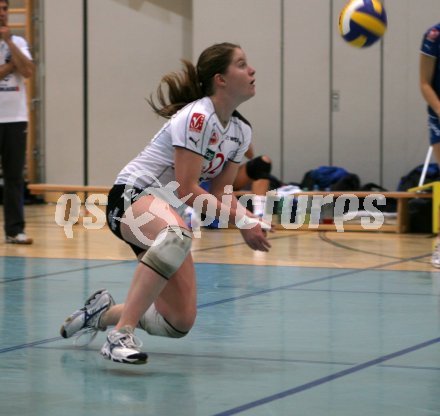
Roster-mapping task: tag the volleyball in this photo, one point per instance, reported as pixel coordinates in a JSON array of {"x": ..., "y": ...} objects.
[{"x": 362, "y": 22}]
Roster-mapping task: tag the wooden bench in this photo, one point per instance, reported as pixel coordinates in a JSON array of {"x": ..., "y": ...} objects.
[
  {"x": 402, "y": 198},
  {"x": 81, "y": 190},
  {"x": 402, "y": 217},
  {"x": 43, "y": 188}
]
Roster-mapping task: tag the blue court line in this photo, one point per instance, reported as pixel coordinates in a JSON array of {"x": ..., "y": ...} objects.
[
  {"x": 198, "y": 307},
  {"x": 29, "y": 345},
  {"x": 326, "y": 379},
  {"x": 60, "y": 272},
  {"x": 287, "y": 360},
  {"x": 324, "y": 237},
  {"x": 219, "y": 302},
  {"x": 411, "y": 367},
  {"x": 369, "y": 292},
  {"x": 240, "y": 358},
  {"x": 354, "y": 292},
  {"x": 306, "y": 282}
]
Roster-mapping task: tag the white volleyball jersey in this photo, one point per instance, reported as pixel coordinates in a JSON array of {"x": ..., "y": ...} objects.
[
  {"x": 13, "y": 103},
  {"x": 197, "y": 128}
]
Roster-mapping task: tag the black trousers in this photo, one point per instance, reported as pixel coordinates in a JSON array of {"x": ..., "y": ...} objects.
[{"x": 13, "y": 153}]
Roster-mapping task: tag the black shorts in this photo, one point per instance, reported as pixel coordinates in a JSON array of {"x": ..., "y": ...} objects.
[
  {"x": 116, "y": 207},
  {"x": 434, "y": 130}
]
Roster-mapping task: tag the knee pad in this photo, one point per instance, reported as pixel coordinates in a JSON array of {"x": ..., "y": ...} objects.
[
  {"x": 167, "y": 255},
  {"x": 155, "y": 324},
  {"x": 258, "y": 168}
]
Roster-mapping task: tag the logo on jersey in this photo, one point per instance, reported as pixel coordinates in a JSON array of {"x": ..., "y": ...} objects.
[
  {"x": 9, "y": 89},
  {"x": 234, "y": 139},
  {"x": 197, "y": 121},
  {"x": 209, "y": 155},
  {"x": 214, "y": 138},
  {"x": 432, "y": 35}
]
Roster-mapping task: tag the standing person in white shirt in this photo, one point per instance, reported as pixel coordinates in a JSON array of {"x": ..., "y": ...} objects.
[
  {"x": 15, "y": 65},
  {"x": 205, "y": 138}
]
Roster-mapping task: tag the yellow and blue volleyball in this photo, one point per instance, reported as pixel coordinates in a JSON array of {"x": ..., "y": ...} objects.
[{"x": 362, "y": 22}]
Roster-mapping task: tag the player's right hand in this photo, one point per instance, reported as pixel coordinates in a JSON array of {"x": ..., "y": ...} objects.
[{"x": 256, "y": 238}]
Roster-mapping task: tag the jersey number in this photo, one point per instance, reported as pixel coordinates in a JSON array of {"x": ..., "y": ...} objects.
[{"x": 215, "y": 164}]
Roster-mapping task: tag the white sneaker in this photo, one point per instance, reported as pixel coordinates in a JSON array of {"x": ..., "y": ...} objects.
[
  {"x": 86, "y": 319},
  {"x": 435, "y": 259},
  {"x": 122, "y": 346},
  {"x": 20, "y": 238}
]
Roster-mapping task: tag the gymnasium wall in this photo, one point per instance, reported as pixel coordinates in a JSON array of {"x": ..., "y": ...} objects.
[
  {"x": 319, "y": 101},
  {"x": 131, "y": 43}
]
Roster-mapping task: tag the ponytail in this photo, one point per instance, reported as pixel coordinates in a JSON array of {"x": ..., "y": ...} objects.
[
  {"x": 183, "y": 88},
  {"x": 192, "y": 83}
]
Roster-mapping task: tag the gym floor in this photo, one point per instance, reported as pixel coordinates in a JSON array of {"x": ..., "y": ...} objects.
[{"x": 325, "y": 324}]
